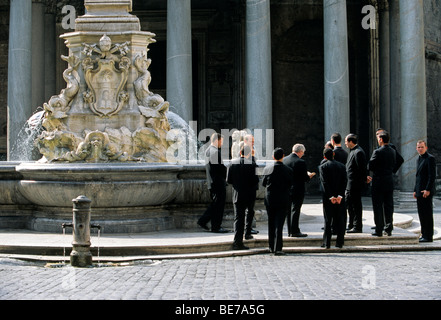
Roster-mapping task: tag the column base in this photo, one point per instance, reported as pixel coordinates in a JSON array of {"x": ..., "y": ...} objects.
[{"x": 406, "y": 201}]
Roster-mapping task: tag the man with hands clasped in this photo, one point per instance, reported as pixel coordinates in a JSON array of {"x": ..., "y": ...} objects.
[{"x": 333, "y": 179}]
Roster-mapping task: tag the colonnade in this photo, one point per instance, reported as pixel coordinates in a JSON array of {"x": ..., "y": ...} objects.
[{"x": 402, "y": 76}]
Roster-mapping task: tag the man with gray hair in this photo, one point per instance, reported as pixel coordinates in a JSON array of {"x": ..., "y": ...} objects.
[{"x": 300, "y": 176}]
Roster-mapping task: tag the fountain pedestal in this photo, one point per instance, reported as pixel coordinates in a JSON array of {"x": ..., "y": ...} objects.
[{"x": 81, "y": 255}]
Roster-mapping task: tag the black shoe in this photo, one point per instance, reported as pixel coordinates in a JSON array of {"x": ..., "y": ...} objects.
[
  {"x": 325, "y": 246},
  {"x": 299, "y": 235},
  {"x": 220, "y": 230},
  {"x": 254, "y": 231},
  {"x": 353, "y": 230},
  {"x": 339, "y": 246},
  {"x": 389, "y": 233},
  {"x": 424, "y": 240},
  {"x": 248, "y": 237},
  {"x": 279, "y": 253},
  {"x": 203, "y": 226},
  {"x": 375, "y": 234},
  {"x": 239, "y": 247}
]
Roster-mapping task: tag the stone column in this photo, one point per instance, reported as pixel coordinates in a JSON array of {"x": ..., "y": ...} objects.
[
  {"x": 38, "y": 53},
  {"x": 395, "y": 72},
  {"x": 50, "y": 55},
  {"x": 337, "y": 107},
  {"x": 179, "y": 58},
  {"x": 258, "y": 82},
  {"x": 385, "y": 112},
  {"x": 413, "y": 88},
  {"x": 258, "y": 79},
  {"x": 19, "y": 71}
]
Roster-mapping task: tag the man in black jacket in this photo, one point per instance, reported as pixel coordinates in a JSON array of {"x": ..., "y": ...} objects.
[
  {"x": 278, "y": 182},
  {"x": 356, "y": 168},
  {"x": 242, "y": 176},
  {"x": 340, "y": 154},
  {"x": 383, "y": 164},
  {"x": 216, "y": 182},
  {"x": 424, "y": 190},
  {"x": 300, "y": 176},
  {"x": 333, "y": 180}
]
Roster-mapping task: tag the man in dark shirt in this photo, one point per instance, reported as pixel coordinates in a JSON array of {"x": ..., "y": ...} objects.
[
  {"x": 356, "y": 168},
  {"x": 278, "y": 182},
  {"x": 242, "y": 176},
  {"x": 424, "y": 190},
  {"x": 340, "y": 154},
  {"x": 383, "y": 164},
  {"x": 300, "y": 177},
  {"x": 216, "y": 182},
  {"x": 333, "y": 180}
]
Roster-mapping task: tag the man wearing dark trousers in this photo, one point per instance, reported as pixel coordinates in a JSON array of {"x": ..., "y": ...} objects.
[
  {"x": 424, "y": 190},
  {"x": 356, "y": 168},
  {"x": 383, "y": 165},
  {"x": 333, "y": 180},
  {"x": 242, "y": 176},
  {"x": 278, "y": 182},
  {"x": 300, "y": 177},
  {"x": 216, "y": 182}
]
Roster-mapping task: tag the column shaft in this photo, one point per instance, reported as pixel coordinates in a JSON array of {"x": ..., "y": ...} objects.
[
  {"x": 258, "y": 81},
  {"x": 337, "y": 107},
  {"x": 395, "y": 71},
  {"x": 179, "y": 58},
  {"x": 38, "y": 53},
  {"x": 384, "y": 35},
  {"x": 19, "y": 71},
  {"x": 413, "y": 87}
]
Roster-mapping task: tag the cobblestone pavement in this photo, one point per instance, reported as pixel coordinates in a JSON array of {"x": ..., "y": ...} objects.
[{"x": 336, "y": 276}]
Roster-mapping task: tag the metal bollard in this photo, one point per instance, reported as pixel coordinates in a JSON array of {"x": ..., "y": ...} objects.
[{"x": 81, "y": 255}]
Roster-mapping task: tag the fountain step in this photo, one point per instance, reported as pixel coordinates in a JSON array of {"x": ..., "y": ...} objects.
[
  {"x": 162, "y": 245},
  {"x": 195, "y": 243}
]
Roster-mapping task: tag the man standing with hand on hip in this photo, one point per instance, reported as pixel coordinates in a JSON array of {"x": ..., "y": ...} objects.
[{"x": 424, "y": 190}]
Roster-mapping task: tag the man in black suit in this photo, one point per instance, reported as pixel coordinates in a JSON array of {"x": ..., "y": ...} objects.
[
  {"x": 242, "y": 176},
  {"x": 300, "y": 176},
  {"x": 383, "y": 164},
  {"x": 216, "y": 182},
  {"x": 356, "y": 168},
  {"x": 278, "y": 182},
  {"x": 333, "y": 180},
  {"x": 424, "y": 190},
  {"x": 340, "y": 154},
  {"x": 399, "y": 158}
]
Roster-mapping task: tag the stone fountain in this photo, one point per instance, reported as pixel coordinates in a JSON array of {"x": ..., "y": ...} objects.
[
  {"x": 106, "y": 112},
  {"x": 105, "y": 136}
]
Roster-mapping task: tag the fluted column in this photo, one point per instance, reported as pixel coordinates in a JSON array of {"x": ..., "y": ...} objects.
[
  {"x": 413, "y": 87},
  {"x": 384, "y": 37},
  {"x": 337, "y": 107},
  {"x": 395, "y": 72},
  {"x": 38, "y": 53},
  {"x": 19, "y": 71},
  {"x": 179, "y": 58},
  {"x": 50, "y": 54}
]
